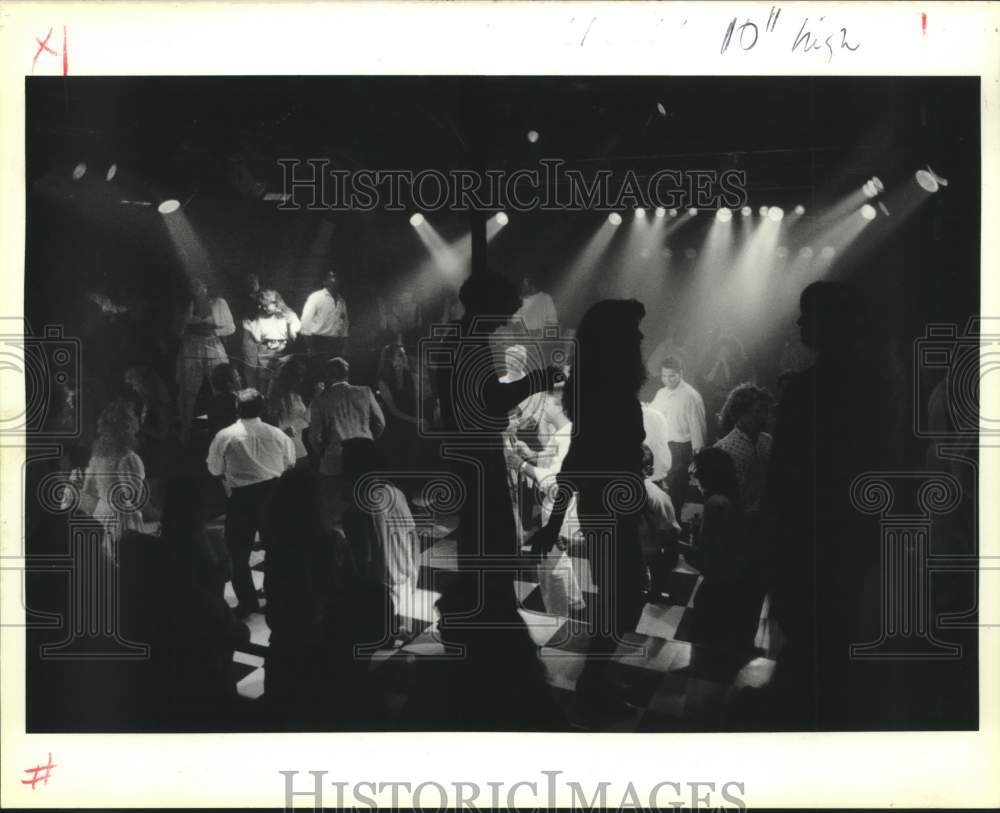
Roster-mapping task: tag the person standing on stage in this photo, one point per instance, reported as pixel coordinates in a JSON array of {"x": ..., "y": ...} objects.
[
  {"x": 324, "y": 319},
  {"x": 250, "y": 456},
  {"x": 684, "y": 410},
  {"x": 207, "y": 319},
  {"x": 266, "y": 337}
]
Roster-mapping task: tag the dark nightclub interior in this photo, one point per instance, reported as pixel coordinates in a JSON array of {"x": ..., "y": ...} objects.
[{"x": 749, "y": 583}]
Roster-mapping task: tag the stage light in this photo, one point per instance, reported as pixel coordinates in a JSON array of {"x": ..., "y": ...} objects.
[
  {"x": 112, "y": 171},
  {"x": 416, "y": 219},
  {"x": 763, "y": 211},
  {"x": 661, "y": 109},
  {"x": 501, "y": 218},
  {"x": 827, "y": 252},
  {"x": 692, "y": 212},
  {"x": 775, "y": 213},
  {"x": 800, "y": 209},
  {"x": 639, "y": 211},
  {"x": 724, "y": 215},
  {"x": 883, "y": 208},
  {"x": 533, "y": 136},
  {"x": 781, "y": 252},
  {"x": 746, "y": 211},
  {"x": 79, "y": 171},
  {"x": 615, "y": 219},
  {"x": 660, "y": 211},
  {"x": 873, "y": 187},
  {"x": 868, "y": 212},
  {"x": 168, "y": 206},
  {"x": 927, "y": 181},
  {"x": 806, "y": 252},
  {"x": 673, "y": 213}
]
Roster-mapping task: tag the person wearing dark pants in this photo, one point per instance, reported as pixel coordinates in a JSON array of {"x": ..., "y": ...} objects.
[
  {"x": 677, "y": 478},
  {"x": 249, "y": 456},
  {"x": 684, "y": 409}
]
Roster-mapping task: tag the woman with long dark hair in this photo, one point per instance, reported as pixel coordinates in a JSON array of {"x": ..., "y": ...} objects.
[{"x": 604, "y": 468}]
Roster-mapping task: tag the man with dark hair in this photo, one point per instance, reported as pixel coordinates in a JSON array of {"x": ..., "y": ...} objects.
[
  {"x": 324, "y": 318},
  {"x": 249, "y": 456},
  {"x": 684, "y": 409},
  {"x": 341, "y": 412}
]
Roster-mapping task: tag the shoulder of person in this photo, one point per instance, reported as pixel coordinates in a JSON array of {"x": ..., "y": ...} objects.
[{"x": 719, "y": 504}]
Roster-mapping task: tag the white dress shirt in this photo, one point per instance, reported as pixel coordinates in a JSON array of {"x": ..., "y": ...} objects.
[
  {"x": 250, "y": 451},
  {"x": 323, "y": 315},
  {"x": 537, "y": 311},
  {"x": 658, "y": 440},
  {"x": 685, "y": 413}
]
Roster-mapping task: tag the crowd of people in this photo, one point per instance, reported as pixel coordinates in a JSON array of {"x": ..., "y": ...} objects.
[{"x": 323, "y": 475}]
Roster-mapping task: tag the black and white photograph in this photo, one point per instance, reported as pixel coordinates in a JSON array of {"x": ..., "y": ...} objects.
[
  {"x": 575, "y": 404},
  {"x": 346, "y": 358}
]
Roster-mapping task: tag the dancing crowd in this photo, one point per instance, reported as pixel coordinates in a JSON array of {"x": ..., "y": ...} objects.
[{"x": 586, "y": 450}]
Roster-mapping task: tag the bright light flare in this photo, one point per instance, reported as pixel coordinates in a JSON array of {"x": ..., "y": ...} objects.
[
  {"x": 615, "y": 219},
  {"x": 416, "y": 219},
  {"x": 660, "y": 211},
  {"x": 746, "y": 211},
  {"x": 501, "y": 218},
  {"x": 169, "y": 206},
  {"x": 724, "y": 215},
  {"x": 868, "y": 212},
  {"x": 775, "y": 214}
]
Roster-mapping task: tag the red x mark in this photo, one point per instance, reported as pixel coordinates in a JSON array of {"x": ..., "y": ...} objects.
[{"x": 43, "y": 45}]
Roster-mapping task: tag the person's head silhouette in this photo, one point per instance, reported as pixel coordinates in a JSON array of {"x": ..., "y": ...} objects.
[{"x": 832, "y": 318}]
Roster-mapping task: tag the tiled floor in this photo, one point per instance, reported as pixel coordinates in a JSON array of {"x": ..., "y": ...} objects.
[{"x": 670, "y": 682}]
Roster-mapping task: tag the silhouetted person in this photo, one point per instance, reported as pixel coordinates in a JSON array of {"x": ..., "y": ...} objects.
[
  {"x": 311, "y": 679},
  {"x": 495, "y": 683},
  {"x": 475, "y": 407},
  {"x": 727, "y": 605},
  {"x": 601, "y": 401},
  {"x": 829, "y": 429}
]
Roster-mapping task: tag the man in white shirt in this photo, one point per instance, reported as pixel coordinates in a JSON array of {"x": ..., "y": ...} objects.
[
  {"x": 325, "y": 324},
  {"x": 249, "y": 456},
  {"x": 684, "y": 410},
  {"x": 537, "y": 309}
]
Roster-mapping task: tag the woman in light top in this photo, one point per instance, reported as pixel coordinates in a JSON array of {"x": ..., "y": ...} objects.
[
  {"x": 207, "y": 320},
  {"x": 114, "y": 486}
]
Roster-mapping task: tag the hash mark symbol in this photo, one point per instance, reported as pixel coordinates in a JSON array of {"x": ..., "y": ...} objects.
[{"x": 39, "y": 768}]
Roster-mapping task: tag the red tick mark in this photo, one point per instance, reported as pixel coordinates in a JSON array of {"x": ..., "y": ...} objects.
[
  {"x": 923, "y": 23},
  {"x": 65, "y": 54},
  {"x": 43, "y": 45},
  {"x": 39, "y": 768}
]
